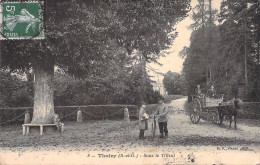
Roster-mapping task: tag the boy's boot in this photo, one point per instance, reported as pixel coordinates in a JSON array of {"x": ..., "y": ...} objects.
[
  {"x": 161, "y": 135},
  {"x": 166, "y": 133},
  {"x": 141, "y": 134}
]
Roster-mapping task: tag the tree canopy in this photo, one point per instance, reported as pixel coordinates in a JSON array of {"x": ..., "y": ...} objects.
[
  {"x": 226, "y": 55},
  {"x": 83, "y": 36},
  {"x": 174, "y": 83},
  {"x": 80, "y": 32}
]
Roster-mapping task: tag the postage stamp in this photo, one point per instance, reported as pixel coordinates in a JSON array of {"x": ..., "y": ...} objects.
[{"x": 21, "y": 20}]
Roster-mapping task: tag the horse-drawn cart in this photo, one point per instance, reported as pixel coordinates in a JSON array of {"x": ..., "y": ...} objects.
[{"x": 206, "y": 107}]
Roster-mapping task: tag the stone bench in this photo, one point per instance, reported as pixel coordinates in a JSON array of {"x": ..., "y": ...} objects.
[{"x": 26, "y": 127}]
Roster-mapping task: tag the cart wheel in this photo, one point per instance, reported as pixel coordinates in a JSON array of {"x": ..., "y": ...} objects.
[
  {"x": 215, "y": 117},
  {"x": 195, "y": 111}
]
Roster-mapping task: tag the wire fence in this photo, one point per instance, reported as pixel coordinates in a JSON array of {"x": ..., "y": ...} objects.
[
  {"x": 75, "y": 111},
  {"x": 103, "y": 116},
  {"x": 10, "y": 115},
  {"x": 13, "y": 119},
  {"x": 13, "y": 114}
]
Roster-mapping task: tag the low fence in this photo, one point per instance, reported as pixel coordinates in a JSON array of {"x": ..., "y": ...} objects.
[
  {"x": 96, "y": 112},
  {"x": 69, "y": 113},
  {"x": 251, "y": 110}
]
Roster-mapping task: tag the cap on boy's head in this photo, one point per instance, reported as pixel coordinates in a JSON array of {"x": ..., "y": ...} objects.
[{"x": 143, "y": 103}]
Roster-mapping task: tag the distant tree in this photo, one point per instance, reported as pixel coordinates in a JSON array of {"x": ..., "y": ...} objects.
[
  {"x": 174, "y": 83},
  {"x": 195, "y": 66},
  {"x": 200, "y": 55},
  {"x": 226, "y": 55},
  {"x": 238, "y": 46},
  {"x": 181, "y": 85}
]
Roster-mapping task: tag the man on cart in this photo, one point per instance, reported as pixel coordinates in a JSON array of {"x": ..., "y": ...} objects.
[
  {"x": 199, "y": 95},
  {"x": 211, "y": 92}
]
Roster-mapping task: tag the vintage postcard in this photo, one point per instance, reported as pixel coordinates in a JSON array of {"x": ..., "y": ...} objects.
[{"x": 161, "y": 82}]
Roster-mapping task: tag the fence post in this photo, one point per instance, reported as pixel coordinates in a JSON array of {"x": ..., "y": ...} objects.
[
  {"x": 79, "y": 116},
  {"x": 126, "y": 115},
  {"x": 27, "y": 118},
  {"x": 103, "y": 114}
]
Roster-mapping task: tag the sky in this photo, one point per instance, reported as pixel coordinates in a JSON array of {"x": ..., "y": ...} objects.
[{"x": 172, "y": 62}]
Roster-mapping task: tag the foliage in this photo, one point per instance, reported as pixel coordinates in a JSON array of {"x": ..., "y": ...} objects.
[
  {"x": 174, "y": 83},
  {"x": 195, "y": 65},
  {"x": 14, "y": 90},
  {"x": 141, "y": 25},
  {"x": 69, "y": 90},
  {"x": 203, "y": 15},
  {"x": 238, "y": 45},
  {"x": 226, "y": 55},
  {"x": 199, "y": 56},
  {"x": 82, "y": 37},
  {"x": 111, "y": 87}
]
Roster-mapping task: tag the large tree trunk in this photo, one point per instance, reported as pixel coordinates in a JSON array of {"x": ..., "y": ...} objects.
[
  {"x": 210, "y": 40},
  {"x": 43, "y": 110}
]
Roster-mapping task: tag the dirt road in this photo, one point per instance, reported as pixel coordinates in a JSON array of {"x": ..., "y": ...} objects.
[{"x": 115, "y": 142}]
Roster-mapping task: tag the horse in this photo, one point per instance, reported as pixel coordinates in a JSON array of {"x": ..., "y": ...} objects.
[{"x": 231, "y": 109}]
